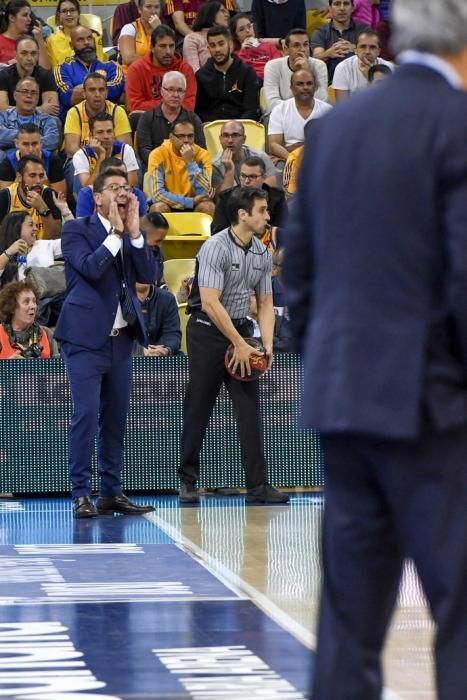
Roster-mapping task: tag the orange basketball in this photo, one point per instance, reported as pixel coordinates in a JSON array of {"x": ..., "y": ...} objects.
[{"x": 258, "y": 364}]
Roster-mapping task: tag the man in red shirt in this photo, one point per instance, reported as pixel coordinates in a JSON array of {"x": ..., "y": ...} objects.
[{"x": 144, "y": 77}]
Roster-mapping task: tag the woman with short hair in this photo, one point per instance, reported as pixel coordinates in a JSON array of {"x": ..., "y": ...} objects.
[{"x": 21, "y": 337}]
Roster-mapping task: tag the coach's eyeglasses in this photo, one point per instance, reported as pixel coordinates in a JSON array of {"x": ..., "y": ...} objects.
[{"x": 117, "y": 188}]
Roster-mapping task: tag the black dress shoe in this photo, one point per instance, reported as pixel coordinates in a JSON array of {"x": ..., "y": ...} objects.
[
  {"x": 265, "y": 493},
  {"x": 188, "y": 493},
  {"x": 83, "y": 508},
  {"x": 120, "y": 504}
]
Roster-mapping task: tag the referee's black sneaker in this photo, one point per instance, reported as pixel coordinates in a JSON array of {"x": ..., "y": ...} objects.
[
  {"x": 188, "y": 493},
  {"x": 265, "y": 493}
]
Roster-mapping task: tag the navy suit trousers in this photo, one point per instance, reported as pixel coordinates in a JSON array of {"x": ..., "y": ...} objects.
[
  {"x": 100, "y": 383},
  {"x": 387, "y": 500}
]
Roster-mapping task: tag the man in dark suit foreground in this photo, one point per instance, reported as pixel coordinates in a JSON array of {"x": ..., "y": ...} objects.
[
  {"x": 104, "y": 256},
  {"x": 376, "y": 271}
]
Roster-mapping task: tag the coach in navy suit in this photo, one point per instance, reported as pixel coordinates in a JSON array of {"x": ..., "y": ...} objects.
[
  {"x": 104, "y": 256},
  {"x": 376, "y": 272}
]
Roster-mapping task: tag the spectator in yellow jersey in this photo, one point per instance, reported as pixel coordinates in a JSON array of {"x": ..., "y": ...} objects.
[
  {"x": 102, "y": 145},
  {"x": 29, "y": 194},
  {"x": 95, "y": 101},
  {"x": 181, "y": 173}
]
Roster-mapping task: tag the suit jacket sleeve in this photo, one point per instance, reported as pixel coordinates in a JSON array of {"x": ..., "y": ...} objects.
[
  {"x": 454, "y": 212},
  {"x": 297, "y": 269},
  {"x": 77, "y": 251},
  {"x": 143, "y": 261}
]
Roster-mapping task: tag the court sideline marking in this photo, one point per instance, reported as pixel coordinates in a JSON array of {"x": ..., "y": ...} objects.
[{"x": 244, "y": 589}]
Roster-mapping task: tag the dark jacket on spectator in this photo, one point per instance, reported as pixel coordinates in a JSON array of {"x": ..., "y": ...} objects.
[
  {"x": 275, "y": 19},
  {"x": 276, "y": 205},
  {"x": 161, "y": 319},
  {"x": 230, "y": 95},
  {"x": 153, "y": 128}
]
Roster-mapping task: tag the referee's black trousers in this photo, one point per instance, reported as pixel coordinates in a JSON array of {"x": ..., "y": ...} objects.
[{"x": 206, "y": 349}]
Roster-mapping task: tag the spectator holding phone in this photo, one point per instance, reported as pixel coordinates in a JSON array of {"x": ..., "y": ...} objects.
[{"x": 15, "y": 21}]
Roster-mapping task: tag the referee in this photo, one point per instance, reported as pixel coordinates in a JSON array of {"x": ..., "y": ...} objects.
[{"x": 229, "y": 267}]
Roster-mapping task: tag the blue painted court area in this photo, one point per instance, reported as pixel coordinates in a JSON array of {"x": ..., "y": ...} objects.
[{"x": 113, "y": 608}]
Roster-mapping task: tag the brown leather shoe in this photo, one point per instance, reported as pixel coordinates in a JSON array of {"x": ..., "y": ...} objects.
[
  {"x": 120, "y": 504},
  {"x": 83, "y": 508}
]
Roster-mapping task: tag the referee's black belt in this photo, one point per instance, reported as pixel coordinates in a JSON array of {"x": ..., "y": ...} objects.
[{"x": 236, "y": 322}]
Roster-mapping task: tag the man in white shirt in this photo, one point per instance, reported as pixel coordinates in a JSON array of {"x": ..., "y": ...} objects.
[
  {"x": 278, "y": 72},
  {"x": 286, "y": 129},
  {"x": 352, "y": 73},
  {"x": 102, "y": 145}
]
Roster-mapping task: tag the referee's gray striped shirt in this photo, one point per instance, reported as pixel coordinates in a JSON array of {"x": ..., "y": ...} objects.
[{"x": 237, "y": 272}]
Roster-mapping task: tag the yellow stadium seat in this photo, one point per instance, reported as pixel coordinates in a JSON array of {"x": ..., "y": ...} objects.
[
  {"x": 187, "y": 233},
  {"x": 188, "y": 222},
  {"x": 175, "y": 270},
  {"x": 331, "y": 95},
  {"x": 147, "y": 185},
  {"x": 183, "y": 321},
  {"x": 87, "y": 20},
  {"x": 255, "y": 134},
  {"x": 314, "y": 19}
]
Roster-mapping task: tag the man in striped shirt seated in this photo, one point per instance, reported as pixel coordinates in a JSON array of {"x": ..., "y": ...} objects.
[{"x": 180, "y": 173}]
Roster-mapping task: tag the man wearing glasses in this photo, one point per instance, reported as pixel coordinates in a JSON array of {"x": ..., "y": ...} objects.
[
  {"x": 252, "y": 174},
  {"x": 144, "y": 77},
  {"x": 181, "y": 173},
  {"x": 226, "y": 164},
  {"x": 154, "y": 125},
  {"x": 26, "y": 66},
  {"x": 101, "y": 317},
  {"x": 26, "y": 95}
]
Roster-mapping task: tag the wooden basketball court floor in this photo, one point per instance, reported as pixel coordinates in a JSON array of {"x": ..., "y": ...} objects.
[{"x": 216, "y": 601}]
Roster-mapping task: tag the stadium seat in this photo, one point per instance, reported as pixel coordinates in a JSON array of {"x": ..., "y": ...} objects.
[
  {"x": 177, "y": 269},
  {"x": 187, "y": 233},
  {"x": 314, "y": 19},
  {"x": 88, "y": 20},
  {"x": 255, "y": 135}
]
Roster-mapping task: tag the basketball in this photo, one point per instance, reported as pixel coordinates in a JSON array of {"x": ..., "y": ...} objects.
[{"x": 258, "y": 365}]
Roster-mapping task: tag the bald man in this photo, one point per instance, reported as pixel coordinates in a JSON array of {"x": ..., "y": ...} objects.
[
  {"x": 69, "y": 75},
  {"x": 226, "y": 164}
]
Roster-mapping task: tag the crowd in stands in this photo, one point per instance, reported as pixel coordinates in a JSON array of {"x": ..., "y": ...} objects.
[{"x": 182, "y": 75}]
